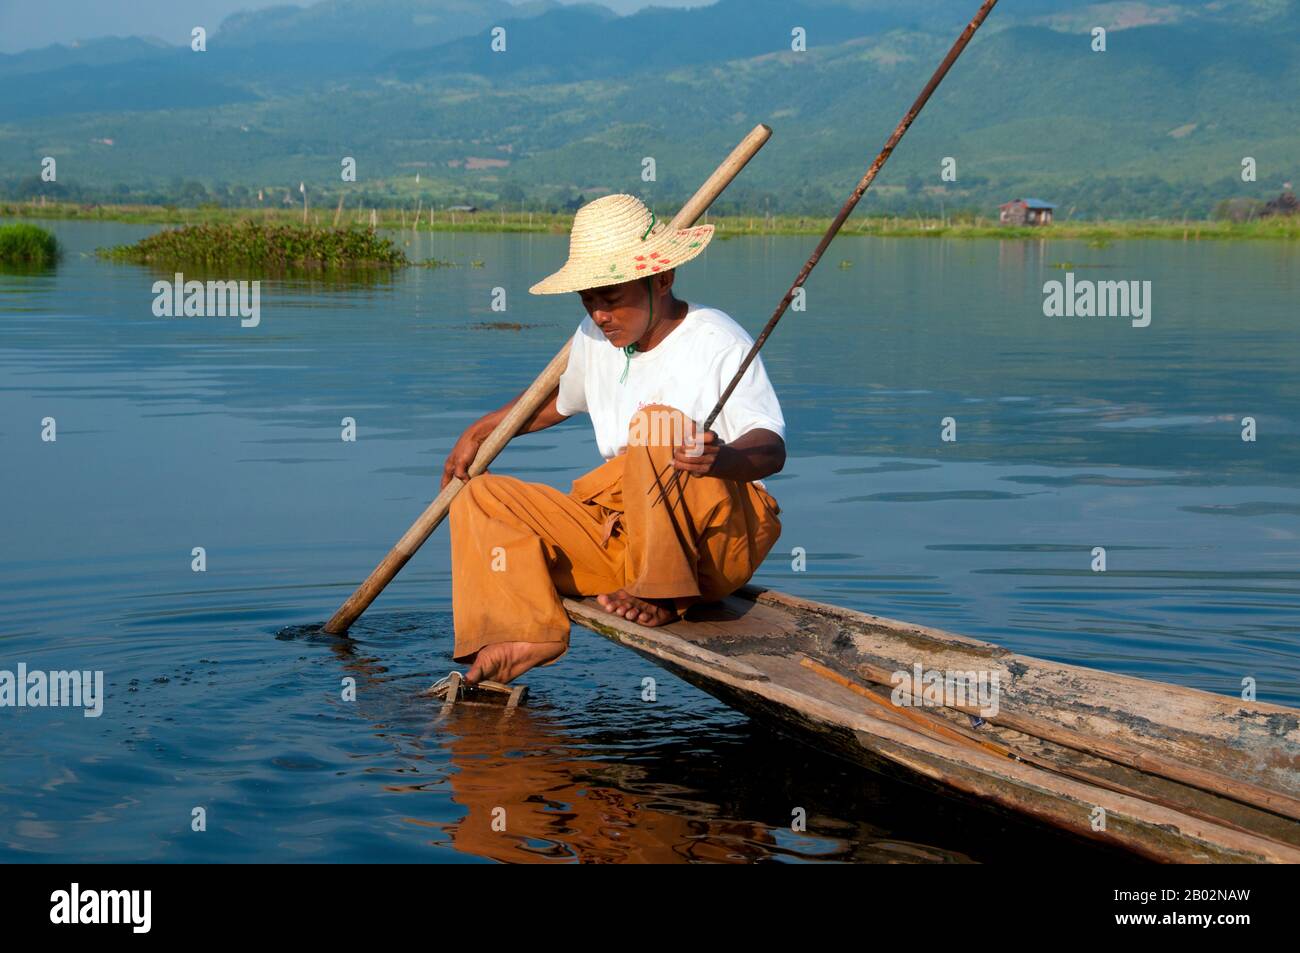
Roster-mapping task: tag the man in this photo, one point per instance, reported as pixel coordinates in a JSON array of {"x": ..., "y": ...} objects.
[{"x": 675, "y": 515}]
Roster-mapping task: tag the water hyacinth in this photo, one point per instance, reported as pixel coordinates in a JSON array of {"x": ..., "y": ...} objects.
[
  {"x": 23, "y": 244},
  {"x": 272, "y": 247}
]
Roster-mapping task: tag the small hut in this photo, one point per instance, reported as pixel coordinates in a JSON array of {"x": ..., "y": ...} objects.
[
  {"x": 1026, "y": 212},
  {"x": 1284, "y": 204}
]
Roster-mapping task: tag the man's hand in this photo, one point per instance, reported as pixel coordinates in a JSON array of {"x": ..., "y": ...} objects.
[
  {"x": 461, "y": 456},
  {"x": 699, "y": 451}
]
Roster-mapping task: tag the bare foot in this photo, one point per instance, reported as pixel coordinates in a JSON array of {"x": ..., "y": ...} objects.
[
  {"x": 503, "y": 661},
  {"x": 651, "y": 612}
]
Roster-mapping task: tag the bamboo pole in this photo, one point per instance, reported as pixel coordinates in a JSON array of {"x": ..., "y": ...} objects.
[{"x": 523, "y": 409}]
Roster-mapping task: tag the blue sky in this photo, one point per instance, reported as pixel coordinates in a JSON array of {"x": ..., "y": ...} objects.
[{"x": 25, "y": 24}]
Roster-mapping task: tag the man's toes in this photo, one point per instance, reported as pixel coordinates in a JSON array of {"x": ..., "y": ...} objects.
[{"x": 631, "y": 608}]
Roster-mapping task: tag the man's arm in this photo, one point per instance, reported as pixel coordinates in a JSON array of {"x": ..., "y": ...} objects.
[
  {"x": 462, "y": 455},
  {"x": 755, "y": 454}
]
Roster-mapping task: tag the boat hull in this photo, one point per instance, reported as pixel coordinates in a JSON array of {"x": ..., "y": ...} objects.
[{"x": 1165, "y": 772}]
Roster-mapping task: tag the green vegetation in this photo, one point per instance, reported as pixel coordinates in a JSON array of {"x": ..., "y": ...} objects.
[
  {"x": 273, "y": 247},
  {"x": 23, "y": 244},
  {"x": 395, "y": 218},
  {"x": 1159, "y": 126},
  {"x": 1098, "y": 234},
  {"x": 224, "y": 222},
  {"x": 1161, "y": 129}
]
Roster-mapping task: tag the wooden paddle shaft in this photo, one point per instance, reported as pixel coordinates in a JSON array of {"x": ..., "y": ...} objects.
[{"x": 523, "y": 410}]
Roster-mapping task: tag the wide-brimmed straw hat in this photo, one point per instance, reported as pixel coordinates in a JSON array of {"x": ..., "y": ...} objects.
[{"x": 616, "y": 238}]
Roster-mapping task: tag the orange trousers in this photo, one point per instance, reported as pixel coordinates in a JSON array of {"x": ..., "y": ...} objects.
[{"x": 518, "y": 548}]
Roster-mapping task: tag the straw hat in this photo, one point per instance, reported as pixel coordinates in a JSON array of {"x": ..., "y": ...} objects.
[{"x": 616, "y": 238}]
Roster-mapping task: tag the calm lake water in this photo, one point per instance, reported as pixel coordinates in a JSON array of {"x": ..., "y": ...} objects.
[{"x": 1072, "y": 433}]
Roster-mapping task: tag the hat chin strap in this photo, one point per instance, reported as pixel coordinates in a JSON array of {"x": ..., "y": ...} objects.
[{"x": 631, "y": 349}]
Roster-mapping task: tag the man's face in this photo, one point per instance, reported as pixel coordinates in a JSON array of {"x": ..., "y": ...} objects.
[{"x": 621, "y": 311}]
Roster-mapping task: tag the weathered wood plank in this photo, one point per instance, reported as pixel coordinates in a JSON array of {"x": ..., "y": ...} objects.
[{"x": 746, "y": 650}]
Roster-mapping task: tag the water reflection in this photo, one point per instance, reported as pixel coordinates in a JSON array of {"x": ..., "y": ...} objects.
[{"x": 176, "y": 433}]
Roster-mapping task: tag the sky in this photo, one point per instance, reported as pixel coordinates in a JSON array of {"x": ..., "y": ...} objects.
[{"x": 25, "y": 24}]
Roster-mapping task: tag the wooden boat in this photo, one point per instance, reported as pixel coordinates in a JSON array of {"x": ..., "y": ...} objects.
[{"x": 1169, "y": 773}]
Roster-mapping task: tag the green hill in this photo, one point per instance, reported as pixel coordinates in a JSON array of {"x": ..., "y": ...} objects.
[{"x": 1156, "y": 125}]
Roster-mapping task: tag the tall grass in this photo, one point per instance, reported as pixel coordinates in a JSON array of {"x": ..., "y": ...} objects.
[
  {"x": 23, "y": 244},
  {"x": 256, "y": 245},
  {"x": 962, "y": 225}
]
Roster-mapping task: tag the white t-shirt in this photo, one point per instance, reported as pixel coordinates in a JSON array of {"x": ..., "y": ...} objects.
[{"x": 687, "y": 370}]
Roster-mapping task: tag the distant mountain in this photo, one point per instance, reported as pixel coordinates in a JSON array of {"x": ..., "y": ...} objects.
[
  {"x": 142, "y": 78},
  {"x": 1157, "y": 124},
  {"x": 105, "y": 52},
  {"x": 584, "y": 42},
  {"x": 379, "y": 25},
  {"x": 290, "y": 47}
]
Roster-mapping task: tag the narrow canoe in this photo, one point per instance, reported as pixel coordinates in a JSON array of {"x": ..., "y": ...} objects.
[{"x": 1169, "y": 773}]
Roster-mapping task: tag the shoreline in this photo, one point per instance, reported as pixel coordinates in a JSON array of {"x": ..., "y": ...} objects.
[{"x": 1278, "y": 228}]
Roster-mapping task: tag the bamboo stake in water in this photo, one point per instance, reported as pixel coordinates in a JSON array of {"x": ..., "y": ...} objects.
[{"x": 524, "y": 408}]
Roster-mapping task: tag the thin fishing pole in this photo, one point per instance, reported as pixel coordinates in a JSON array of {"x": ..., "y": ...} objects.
[{"x": 957, "y": 48}]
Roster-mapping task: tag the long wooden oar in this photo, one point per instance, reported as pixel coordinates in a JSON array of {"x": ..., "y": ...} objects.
[
  {"x": 524, "y": 408},
  {"x": 904, "y": 124}
]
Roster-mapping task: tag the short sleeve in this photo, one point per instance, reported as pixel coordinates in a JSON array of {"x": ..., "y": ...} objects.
[
  {"x": 572, "y": 398},
  {"x": 753, "y": 403}
]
